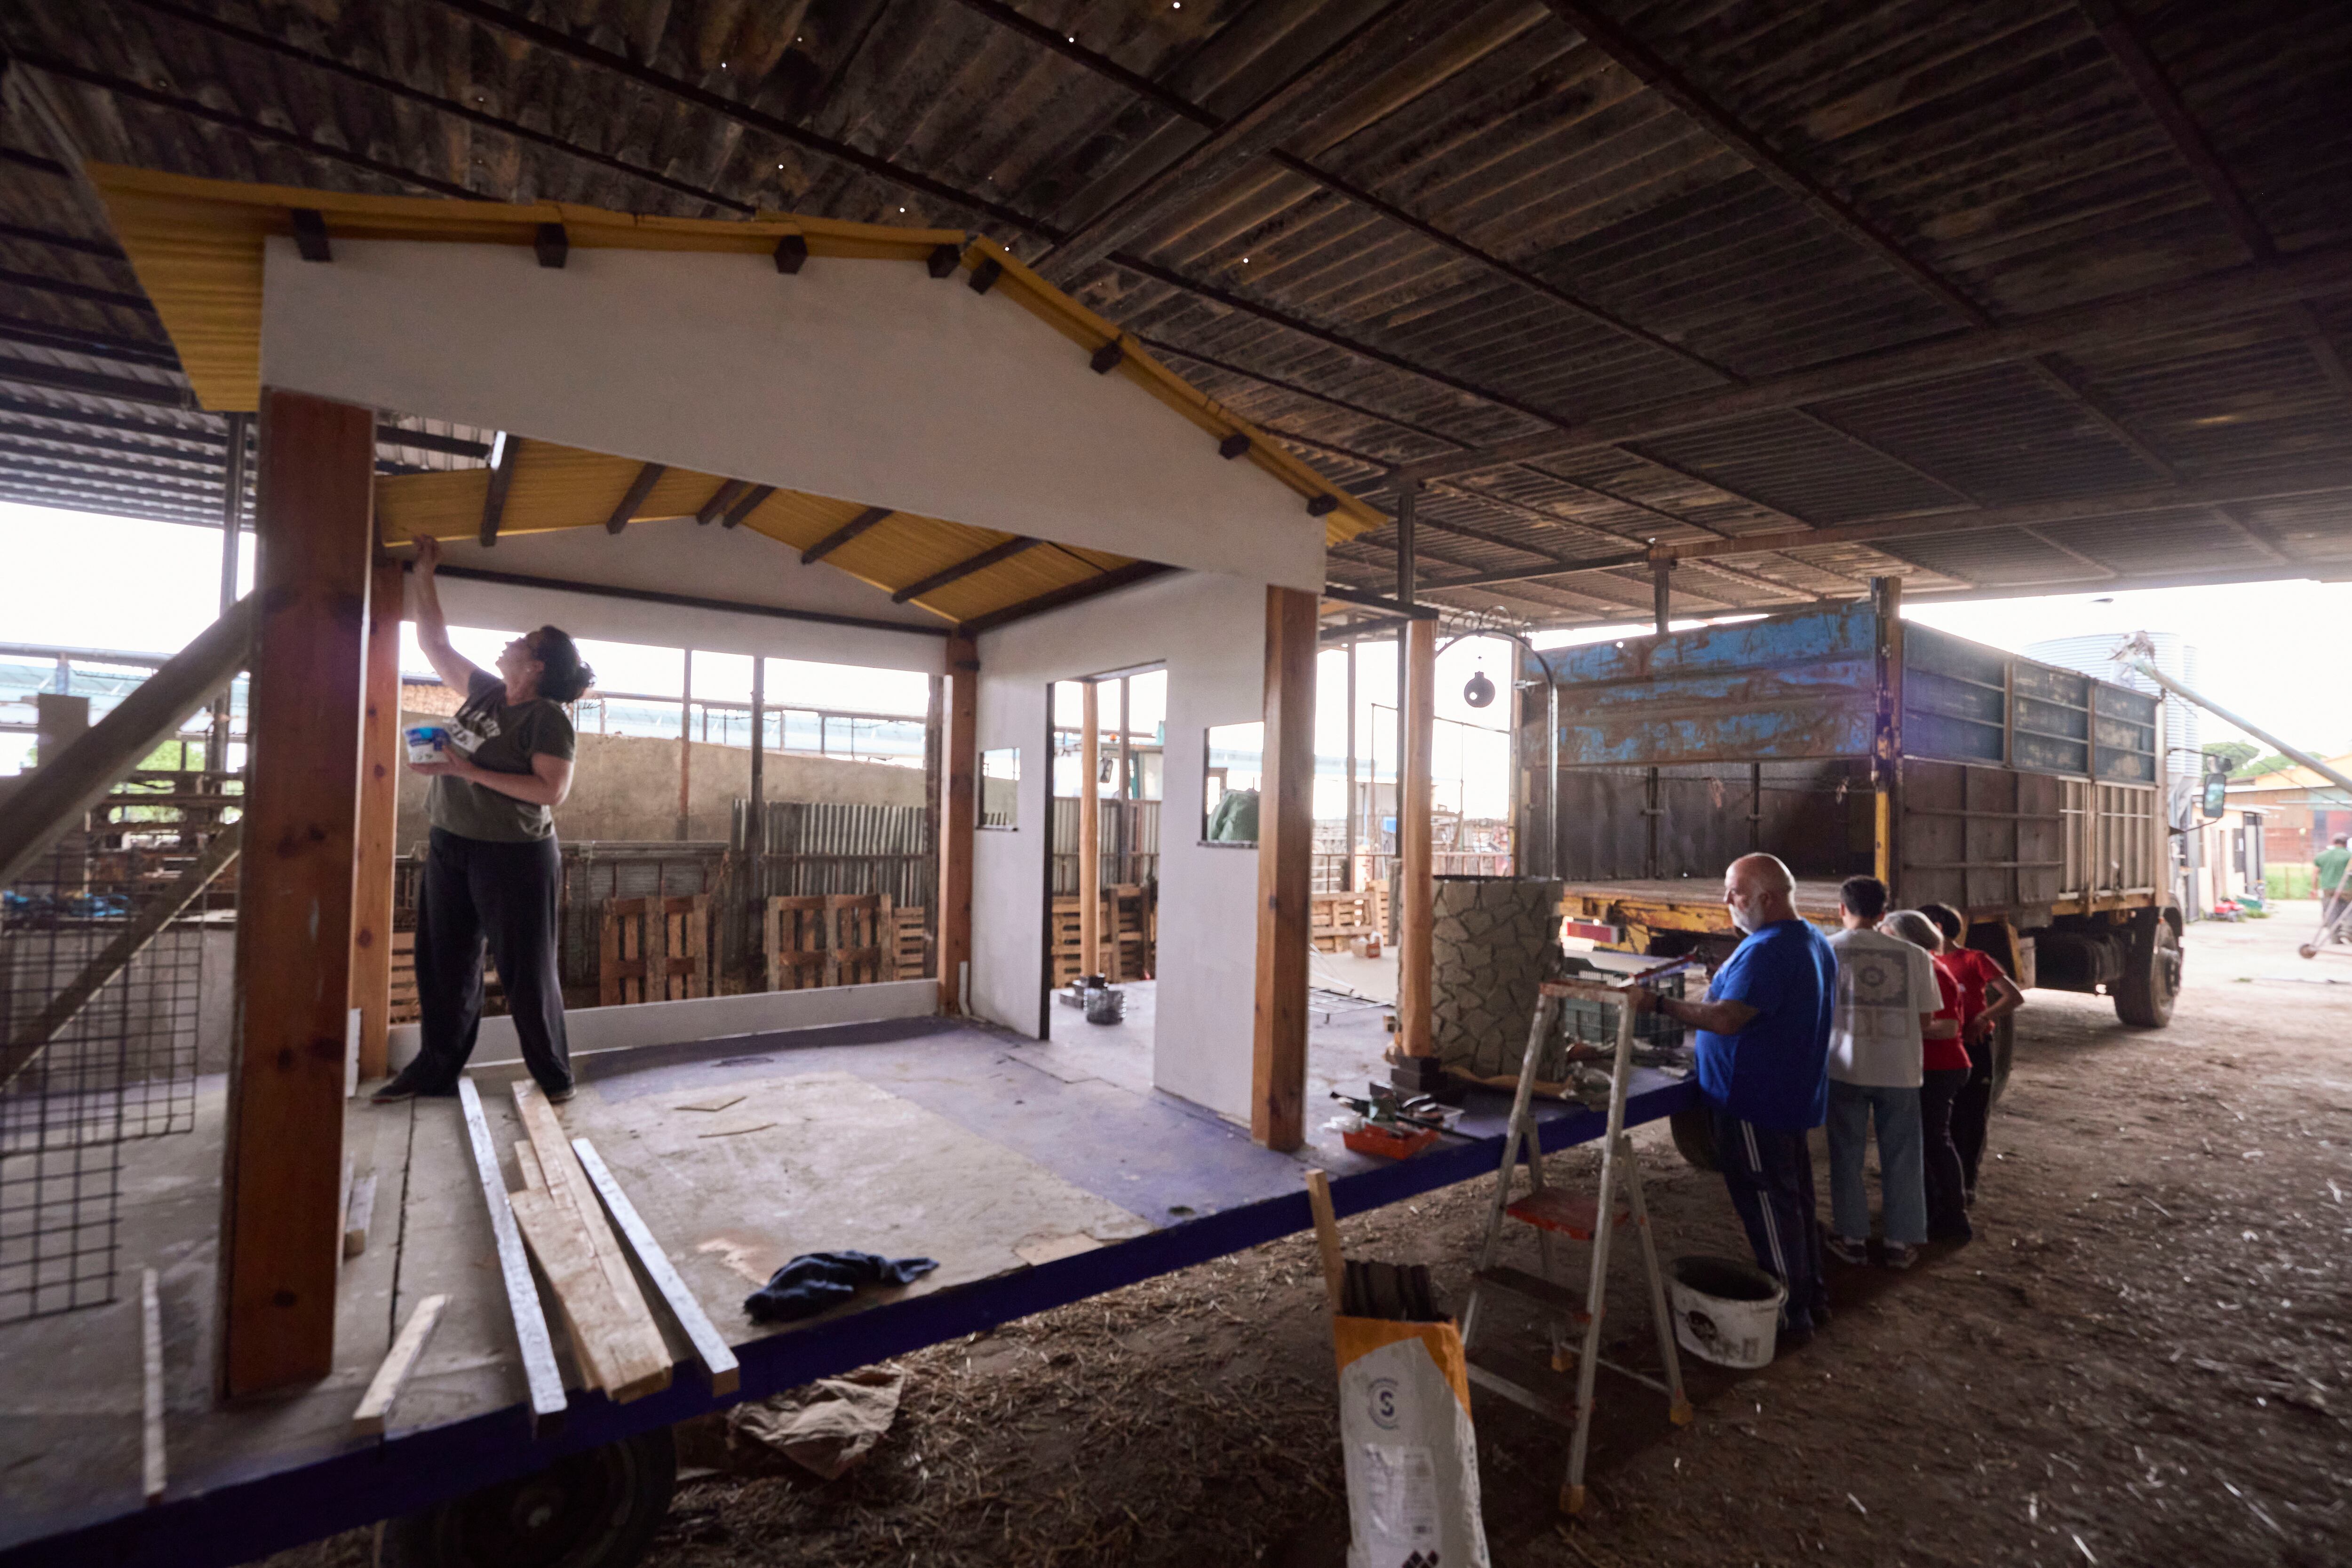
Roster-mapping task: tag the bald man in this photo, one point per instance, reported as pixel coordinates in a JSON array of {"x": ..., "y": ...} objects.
[{"x": 1763, "y": 1069}]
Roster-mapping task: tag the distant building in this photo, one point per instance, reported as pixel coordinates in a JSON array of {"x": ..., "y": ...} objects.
[{"x": 2301, "y": 811}]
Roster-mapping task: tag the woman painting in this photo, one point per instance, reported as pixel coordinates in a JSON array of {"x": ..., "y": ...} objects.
[{"x": 492, "y": 868}]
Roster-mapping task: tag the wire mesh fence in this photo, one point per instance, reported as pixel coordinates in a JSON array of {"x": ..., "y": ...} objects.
[{"x": 102, "y": 955}]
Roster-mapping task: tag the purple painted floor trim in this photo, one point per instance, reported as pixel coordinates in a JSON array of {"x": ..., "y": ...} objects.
[{"x": 1245, "y": 1195}]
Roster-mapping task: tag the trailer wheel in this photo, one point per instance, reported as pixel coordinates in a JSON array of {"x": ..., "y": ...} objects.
[
  {"x": 1693, "y": 1133},
  {"x": 2151, "y": 976},
  {"x": 596, "y": 1510}
]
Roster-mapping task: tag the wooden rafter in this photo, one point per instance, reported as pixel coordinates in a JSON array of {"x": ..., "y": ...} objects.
[
  {"x": 1003, "y": 550},
  {"x": 840, "y": 536}
]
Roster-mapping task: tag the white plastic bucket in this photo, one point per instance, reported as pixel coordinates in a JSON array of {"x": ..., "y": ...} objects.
[
  {"x": 1726, "y": 1311},
  {"x": 428, "y": 744}
]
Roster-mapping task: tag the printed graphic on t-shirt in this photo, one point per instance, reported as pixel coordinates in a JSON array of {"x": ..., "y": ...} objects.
[
  {"x": 1872, "y": 981},
  {"x": 467, "y": 735}
]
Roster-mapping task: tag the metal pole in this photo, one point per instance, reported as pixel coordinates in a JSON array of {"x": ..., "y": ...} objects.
[
  {"x": 2146, "y": 667},
  {"x": 1089, "y": 831},
  {"x": 685, "y": 747},
  {"x": 1125, "y": 794},
  {"x": 755, "y": 832},
  {"x": 1661, "y": 605},
  {"x": 1347, "y": 831},
  {"x": 1407, "y": 583}
]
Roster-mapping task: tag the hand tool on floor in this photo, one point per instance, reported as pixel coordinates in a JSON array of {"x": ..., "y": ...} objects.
[{"x": 1552, "y": 1211}]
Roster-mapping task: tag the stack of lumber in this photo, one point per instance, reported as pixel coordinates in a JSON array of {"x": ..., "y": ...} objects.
[{"x": 618, "y": 1344}]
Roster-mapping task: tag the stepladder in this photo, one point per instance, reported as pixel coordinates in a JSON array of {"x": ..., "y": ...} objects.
[{"x": 1573, "y": 1322}]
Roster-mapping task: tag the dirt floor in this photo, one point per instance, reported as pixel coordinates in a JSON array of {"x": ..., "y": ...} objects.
[{"x": 2145, "y": 1357}]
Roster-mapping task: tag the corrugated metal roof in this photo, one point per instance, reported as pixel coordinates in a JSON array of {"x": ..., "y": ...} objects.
[{"x": 1521, "y": 216}]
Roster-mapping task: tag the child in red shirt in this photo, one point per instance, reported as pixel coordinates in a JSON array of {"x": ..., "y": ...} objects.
[
  {"x": 1943, "y": 1074},
  {"x": 1988, "y": 995}
]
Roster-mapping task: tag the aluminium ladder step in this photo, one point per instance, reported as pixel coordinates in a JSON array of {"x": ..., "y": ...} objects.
[
  {"x": 1526, "y": 1381},
  {"x": 1555, "y": 1299},
  {"x": 1572, "y": 1213}
]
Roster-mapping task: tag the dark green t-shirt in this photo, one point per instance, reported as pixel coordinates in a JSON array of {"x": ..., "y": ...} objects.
[{"x": 501, "y": 737}]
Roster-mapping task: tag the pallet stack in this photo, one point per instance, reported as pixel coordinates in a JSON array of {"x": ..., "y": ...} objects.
[
  {"x": 1334, "y": 920},
  {"x": 654, "y": 950},
  {"x": 1130, "y": 922},
  {"x": 840, "y": 938}
]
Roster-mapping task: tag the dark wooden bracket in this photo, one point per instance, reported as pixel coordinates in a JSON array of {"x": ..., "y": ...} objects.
[
  {"x": 984, "y": 276},
  {"x": 792, "y": 254},
  {"x": 553, "y": 244},
  {"x": 1232, "y": 446},
  {"x": 310, "y": 235},
  {"x": 1106, "y": 358},
  {"x": 944, "y": 260}
]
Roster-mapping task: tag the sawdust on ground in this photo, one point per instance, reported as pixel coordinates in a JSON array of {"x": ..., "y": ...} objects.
[{"x": 2146, "y": 1356}]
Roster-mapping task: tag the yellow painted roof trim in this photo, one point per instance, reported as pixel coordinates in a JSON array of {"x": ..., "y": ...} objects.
[{"x": 196, "y": 246}]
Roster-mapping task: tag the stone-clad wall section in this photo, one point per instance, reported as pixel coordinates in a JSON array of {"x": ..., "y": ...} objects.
[{"x": 1496, "y": 939}]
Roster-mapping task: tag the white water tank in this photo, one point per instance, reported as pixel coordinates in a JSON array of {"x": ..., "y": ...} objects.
[{"x": 2093, "y": 653}]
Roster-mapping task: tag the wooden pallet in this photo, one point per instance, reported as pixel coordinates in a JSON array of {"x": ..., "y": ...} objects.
[
  {"x": 1130, "y": 922},
  {"x": 404, "y": 1006},
  {"x": 840, "y": 938},
  {"x": 654, "y": 950},
  {"x": 1333, "y": 920}
]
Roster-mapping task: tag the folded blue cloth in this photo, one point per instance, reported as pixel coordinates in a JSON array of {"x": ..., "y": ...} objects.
[{"x": 817, "y": 1280}]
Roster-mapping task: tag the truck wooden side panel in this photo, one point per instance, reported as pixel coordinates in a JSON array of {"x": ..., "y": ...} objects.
[{"x": 2027, "y": 791}]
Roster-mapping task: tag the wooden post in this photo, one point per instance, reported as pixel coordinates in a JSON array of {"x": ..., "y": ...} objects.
[
  {"x": 686, "y": 752},
  {"x": 1124, "y": 793},
  {"x": 1285, "y": 861},
  {"x": 1887, "y": 744},
  {"x": 1090, "y": 829},
  {"x": 233, "y": 486},
  {"x": 1416, "y": 891},
  {"x": 380, "y": 764},
  {"x": 281, "y": 1232},
  {"x": 959, "y": 803}
]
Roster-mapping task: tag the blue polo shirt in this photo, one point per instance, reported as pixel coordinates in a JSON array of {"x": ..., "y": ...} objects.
[{"x": 1775, "y": 1072}]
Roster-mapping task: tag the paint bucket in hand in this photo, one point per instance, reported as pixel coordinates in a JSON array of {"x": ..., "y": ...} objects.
[
  {"x": 1725, "y": 1311},
  {"x": 1106, "y": 1006},
  {"x": 428, "y": 744}
]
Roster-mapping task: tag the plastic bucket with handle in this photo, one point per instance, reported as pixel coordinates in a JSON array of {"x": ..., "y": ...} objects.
[{"x": 1726, "y": 1311}]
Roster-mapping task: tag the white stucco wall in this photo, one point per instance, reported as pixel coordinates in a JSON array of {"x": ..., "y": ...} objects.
[
  {"x": 863, "y": 380},
  {"x": 1210, "y": 633}
]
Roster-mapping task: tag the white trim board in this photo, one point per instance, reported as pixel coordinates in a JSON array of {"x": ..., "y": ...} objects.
[
  {"x": 864, "y": 380},
  {"x": 698, "y": 1019}
]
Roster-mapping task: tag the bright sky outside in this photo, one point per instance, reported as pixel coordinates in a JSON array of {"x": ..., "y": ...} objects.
[{"x": 2271, "y": 652}]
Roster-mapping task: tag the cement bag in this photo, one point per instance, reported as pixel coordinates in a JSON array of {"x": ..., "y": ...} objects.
[{"x": 1413, "y": 1459}]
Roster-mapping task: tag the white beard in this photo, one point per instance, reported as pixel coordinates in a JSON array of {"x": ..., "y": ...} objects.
[{"x": 1743, "y": 921}]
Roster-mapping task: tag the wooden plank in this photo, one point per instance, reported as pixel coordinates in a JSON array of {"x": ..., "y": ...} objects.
[
  {"x": 1003, "y": 550},
  {"x": 54, "y": 795},
  {"x": 635, "y": 497},
  {"x": 1286, "y": 830},
  {"x": 1416, "y": 890},
  {"x": 719, "y": 1362},
  {"x": 612, "y": 1326},
  {"x": 381, "y": 757},
  {"x": 844, "y": 535},
  {"x": 534, "y": 1178},
  {"x": 358, "y": 1214},
  {"x": 542, "y": 1380},
  {"x": 151, "y": 1347},
  {"x": 1326, "y": 1240},
  {"x": 960, "y": 752},
  {"x": 375, "y": 1413},
  {"x": 281, "y": 1228}
]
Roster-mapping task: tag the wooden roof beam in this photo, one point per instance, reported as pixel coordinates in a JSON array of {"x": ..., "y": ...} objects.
[
  {"x": 844, "y": 535},
  {"x": 1069, "y": 594},
  {"x": 1004, "y": 550},
  {"x": 2270, "y": 486},
  {"x": 1373, "y": 48},
  {"x": 504, "y": 452},
  {"x": 725, "y": 496},
  {"x": 2120, "y": 319},
  {"x": 2189, "y": 140},
  {"x": 648, "y": 476}
]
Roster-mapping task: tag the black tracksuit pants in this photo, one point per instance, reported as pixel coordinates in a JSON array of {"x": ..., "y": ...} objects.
[
  {"x": 1769, "y": 1174},
  {"x": 475, "y": 889},
  {"x": 1972, "y": 1112}
]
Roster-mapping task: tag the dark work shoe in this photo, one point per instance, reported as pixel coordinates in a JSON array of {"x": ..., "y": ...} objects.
[
  {"x": 558, "y": 1096},
  {"x": 1846, "y": 1250},
  {"x": 406, "y": 1084}
]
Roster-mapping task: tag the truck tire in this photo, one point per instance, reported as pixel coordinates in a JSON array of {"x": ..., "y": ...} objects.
[
  {"x": 596, "y": 1510},
  {"x": 2151, "y": 976},
  {"x": 1693, "y": 1133}
]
